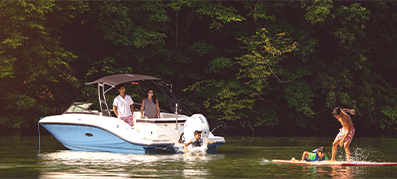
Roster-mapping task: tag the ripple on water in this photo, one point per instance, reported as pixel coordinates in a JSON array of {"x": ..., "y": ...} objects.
[
  {"x": 68, "y": 157},
  {"x": 76, "y": 164},
  {"x": 239, "y": 158}
]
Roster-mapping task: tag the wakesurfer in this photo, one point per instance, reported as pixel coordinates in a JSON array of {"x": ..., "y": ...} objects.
[{"x": 345, "y": 134}]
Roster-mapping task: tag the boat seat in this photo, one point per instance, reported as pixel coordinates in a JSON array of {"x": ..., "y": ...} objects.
[{"x": 168, "y": 116}]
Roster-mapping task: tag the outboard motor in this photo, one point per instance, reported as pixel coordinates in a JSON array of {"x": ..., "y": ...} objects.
[{"x": 197, "y": 122}]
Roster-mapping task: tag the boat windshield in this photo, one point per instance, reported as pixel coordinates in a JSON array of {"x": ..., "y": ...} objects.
[{"x": 79, "y": 107}]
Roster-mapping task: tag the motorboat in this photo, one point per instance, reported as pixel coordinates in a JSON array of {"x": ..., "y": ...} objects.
[{"x": 83, "y": 129}]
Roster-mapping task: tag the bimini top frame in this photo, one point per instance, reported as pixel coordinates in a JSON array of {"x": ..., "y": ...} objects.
[{"x": 113, "y": 80}]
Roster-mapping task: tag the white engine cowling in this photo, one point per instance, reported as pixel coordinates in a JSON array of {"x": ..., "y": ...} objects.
[{"x": 197, "y": 122}]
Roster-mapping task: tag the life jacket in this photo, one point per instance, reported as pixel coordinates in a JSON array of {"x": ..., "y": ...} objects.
[
  {"x": 314, "y": 157},
  {"x": 197, "y": 143}
]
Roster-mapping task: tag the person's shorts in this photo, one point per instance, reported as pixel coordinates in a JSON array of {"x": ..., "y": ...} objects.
[
  {"x": 343, "y": 131},
  {"x": 128, "y": 119}
]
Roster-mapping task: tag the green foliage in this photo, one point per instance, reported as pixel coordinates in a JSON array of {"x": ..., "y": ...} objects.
[
  {"x": 231, "y": 100},
  {"x": 318, "y": 11},
  {"x": 259, "y": 10},
  {"x": 241, "y": 99},
  {"x": 219, "y": 14},
  {"x": 300, "y": 96},
  {"x": 219, "y": 65},
  {"x": 350, "y": 79},
  {"x": 391, "y": 113},
  {"x": 124, "y": 23},
  {"x": 252, "y": 63},
  {"x": 201, "y": 48},
  {"x": 32, "y": 61},
  {"x": 264, "y": 53}
]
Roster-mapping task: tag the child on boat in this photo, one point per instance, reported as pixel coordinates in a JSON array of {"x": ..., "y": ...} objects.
[
  {"x": 315, "y": 155},
  {"x": 197, "y": 141}
]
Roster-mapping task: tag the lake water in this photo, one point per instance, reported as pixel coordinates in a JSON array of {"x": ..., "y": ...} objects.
[{"x": 238, "y": 158}]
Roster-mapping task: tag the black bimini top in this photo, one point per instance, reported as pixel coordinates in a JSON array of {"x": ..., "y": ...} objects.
[{"x": 122, "y": 78}]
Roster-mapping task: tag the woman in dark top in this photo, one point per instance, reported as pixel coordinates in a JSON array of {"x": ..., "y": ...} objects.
[{"x": 150, "y": 105}]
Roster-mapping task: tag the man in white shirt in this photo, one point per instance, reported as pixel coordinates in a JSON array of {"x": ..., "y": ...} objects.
[{"x": 123, "y": 106}]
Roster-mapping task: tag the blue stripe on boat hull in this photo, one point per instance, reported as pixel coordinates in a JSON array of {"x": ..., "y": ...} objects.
[
  {"x": 74, "y": 137},
  {"x": 211, "y": 148}
]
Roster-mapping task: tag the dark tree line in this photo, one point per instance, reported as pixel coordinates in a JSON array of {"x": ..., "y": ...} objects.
[{"x": 262, "y": 67}]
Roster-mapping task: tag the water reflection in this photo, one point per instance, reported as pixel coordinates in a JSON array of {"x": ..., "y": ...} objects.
[
  {"x": 74, "y": 164},
  {"x": 348, "y": 171},
  {"x": 332, "y": 171},
  {"x": 69, "y": 157},
  {"x": 239, "y": 158},
  {"x": 344, "y": 172}
]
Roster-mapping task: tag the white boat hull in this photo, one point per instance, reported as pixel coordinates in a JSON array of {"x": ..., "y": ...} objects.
[{"x": 89, "y": 132}]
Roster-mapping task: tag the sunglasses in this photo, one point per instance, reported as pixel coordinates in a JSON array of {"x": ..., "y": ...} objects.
[
  {"x": 150, "y": 92},
  {"x": 123, "y": 89}
]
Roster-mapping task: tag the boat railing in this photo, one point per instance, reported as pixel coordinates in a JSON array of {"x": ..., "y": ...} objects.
[{"x": 161, "y": 120}]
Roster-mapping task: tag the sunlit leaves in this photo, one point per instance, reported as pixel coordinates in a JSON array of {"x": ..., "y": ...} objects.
[
  {"x": 236, "y": 99},
  {"x": 264, "y": 51},
  {"x": 259, "y": 10},
  {"x": 318, "y": 12},
  {"x": 230, "y": 98},
  {"x": 220, "y": 14}
]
